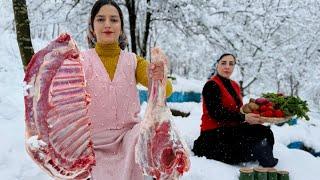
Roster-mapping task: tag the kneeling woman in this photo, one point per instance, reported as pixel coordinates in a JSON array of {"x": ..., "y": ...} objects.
[{"x": 226, "y": 134}]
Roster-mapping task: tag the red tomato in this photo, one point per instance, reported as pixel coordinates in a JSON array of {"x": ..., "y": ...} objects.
[
  {"x": 267, "y": 113},
  {"x": 270, "y": 104},
  {"x": 278, "y": 113},
  {"x": 263, "y": 108},
  {"x": 270, "y": 108}
]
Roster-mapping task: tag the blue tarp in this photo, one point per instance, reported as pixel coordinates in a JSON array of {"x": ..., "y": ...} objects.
[
  {"x": 175, "y": 96},
  {"x": 300, "y": 144}
]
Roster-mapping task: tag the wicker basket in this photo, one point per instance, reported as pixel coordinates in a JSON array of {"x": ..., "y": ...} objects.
[
  {"x": 272, "y": 120},
  {"x": 276, "y": 120}
]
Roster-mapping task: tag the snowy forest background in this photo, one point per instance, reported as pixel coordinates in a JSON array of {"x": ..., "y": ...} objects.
[{"x": 277, "y": 42}]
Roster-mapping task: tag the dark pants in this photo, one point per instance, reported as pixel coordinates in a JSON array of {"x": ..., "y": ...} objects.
[{"x": 237, "y": 144}]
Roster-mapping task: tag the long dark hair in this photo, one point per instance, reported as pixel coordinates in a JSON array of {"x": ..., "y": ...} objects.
[
  {"x": 214, "y": 68},
  {"x": 94, "y": 11}
]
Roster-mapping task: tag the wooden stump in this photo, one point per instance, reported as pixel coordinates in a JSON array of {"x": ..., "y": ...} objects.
[
  {"x": 272, "y": 174},
  {"x": 246, "y": 174},
  {"x": 260, "y": 173},
  {"x": 283, "y": 175}
]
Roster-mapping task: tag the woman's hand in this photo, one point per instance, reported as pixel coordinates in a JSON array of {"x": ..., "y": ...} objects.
[
  {"x": 156, "y": 70},
  {"x": 252, "y": 118}
]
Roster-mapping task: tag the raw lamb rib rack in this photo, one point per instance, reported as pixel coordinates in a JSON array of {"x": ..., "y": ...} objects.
[
  {"x": 58, "y": 135},
  {"x": 160, "y": 150}
]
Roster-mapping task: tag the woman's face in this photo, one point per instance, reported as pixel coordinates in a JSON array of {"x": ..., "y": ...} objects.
[
  {"x": 107, "y": 25},
  {"x": 226, "y": 65}
]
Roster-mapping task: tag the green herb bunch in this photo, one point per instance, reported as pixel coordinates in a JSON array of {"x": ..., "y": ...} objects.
[{"x": 290, "y": 105}]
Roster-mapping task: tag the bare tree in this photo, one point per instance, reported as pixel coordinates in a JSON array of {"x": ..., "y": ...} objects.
[
  {"x": 139, "y": 44},
  {"x": 23, "y": 30},
  {"x": 143, "y": 48},
  {"x": 130, "y": 4}
]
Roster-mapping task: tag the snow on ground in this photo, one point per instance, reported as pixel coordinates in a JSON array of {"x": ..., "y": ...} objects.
[{"x": 15, "y": 164}]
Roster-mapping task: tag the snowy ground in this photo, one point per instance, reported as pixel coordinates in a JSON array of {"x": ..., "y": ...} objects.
[{"x": 15, "y": 163}]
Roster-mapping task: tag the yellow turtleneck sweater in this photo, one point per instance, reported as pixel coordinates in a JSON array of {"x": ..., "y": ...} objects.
[{"x": 109, "y": 55}]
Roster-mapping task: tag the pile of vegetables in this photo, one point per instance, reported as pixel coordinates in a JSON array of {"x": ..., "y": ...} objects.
[{"x": 277, "y": 105}]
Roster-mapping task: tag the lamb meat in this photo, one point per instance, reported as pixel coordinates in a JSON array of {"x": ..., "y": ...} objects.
[
  {"x": 160, "y": 151},
  {"x": 58, "y": 135}
]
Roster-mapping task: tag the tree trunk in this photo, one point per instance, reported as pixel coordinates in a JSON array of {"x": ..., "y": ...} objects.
[
  {"x": 241, "y": 88},
  {"x": 146, "y": 31},
  {"x": 23, "y": 30},
  {"x": 293, "y": 86},
  {"x": 130, "y": 4},
  {"x": 278, "y": 86}
]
